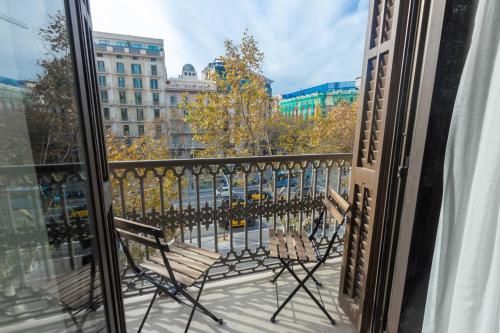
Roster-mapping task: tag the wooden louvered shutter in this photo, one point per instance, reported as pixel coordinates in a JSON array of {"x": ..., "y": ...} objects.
[{"x": 372, "y": 150}]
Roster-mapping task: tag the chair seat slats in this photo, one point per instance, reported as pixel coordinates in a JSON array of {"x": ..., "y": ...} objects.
[
  {"x": 192, "y": 255},
  {"x": 198, "y": 250},
  {"x": 291, "y": 246},
  {"x": 188, "y": 262},
  {"x": 178, "y": 267},
  {"x": 162, "y": 271},
  {"x": 273, "y": 246},
  {"x": 292, "y": 254}
]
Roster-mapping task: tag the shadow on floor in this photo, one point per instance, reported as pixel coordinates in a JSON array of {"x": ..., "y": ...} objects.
[{"x": 246, "y": 304}]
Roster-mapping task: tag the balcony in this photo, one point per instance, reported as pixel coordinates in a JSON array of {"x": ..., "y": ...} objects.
[{"x": 184, "y": 199}]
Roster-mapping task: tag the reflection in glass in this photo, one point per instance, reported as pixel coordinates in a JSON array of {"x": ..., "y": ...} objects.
[{"x": 49, "y": 278}]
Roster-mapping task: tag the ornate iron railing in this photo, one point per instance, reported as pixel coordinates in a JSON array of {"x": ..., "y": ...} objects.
[
  {"x": 201, "y": 201},
  {"x": 185, "y": 197}
]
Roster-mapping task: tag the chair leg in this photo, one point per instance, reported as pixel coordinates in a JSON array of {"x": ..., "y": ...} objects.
[
  {"x": 302, "y": 285},
  {"x": 195, "y": 304},
  {"x": 198, "y": 306},
  {"x": 278, "y": 275},
  {"x": 149, "y": 309},
  {"x": 312, "y": 276}
]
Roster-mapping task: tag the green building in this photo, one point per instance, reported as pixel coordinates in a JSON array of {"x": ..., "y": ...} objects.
[{"x": 325, "y": 96}]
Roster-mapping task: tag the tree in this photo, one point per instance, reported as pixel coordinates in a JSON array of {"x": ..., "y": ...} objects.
[
  {"x": 234, "y": 119},
  {"x": 51, "y": 112},
  {"x": 240, "y": 118}
]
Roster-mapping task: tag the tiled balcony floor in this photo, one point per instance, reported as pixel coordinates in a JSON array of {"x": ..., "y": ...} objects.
[{"x": 246, "y": 305}]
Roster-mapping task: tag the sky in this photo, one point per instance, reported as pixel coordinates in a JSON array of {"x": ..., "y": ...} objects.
[{"x": 305, "y": 42}]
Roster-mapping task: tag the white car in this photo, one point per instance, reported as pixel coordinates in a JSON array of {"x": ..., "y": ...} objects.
[{"x": 223, "y": 192}]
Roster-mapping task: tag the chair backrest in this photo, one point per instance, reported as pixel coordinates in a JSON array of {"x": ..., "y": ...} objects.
[
  {"x": 146, "y": 235},
  {"x": 140, "y": 232},
  {"x": 338, "y": 208}
]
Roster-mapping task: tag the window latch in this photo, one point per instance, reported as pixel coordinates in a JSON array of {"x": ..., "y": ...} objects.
[{"x": 403, "y": 169}]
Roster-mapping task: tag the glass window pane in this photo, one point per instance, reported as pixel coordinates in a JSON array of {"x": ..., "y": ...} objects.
[{"x": 47, "y": 253}]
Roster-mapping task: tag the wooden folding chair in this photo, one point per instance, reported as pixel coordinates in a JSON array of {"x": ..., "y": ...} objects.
[
  {"x": 290, "y": 247},
  {"x": 175, "y": 268}
]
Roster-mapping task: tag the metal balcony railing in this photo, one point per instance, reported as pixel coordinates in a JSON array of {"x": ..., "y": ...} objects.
[
  {"x": 228, "y": 204},
  {"x": 222, "y": 204}
]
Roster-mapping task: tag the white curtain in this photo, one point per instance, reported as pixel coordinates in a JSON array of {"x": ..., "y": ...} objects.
[{"x": 464, "y": 288}]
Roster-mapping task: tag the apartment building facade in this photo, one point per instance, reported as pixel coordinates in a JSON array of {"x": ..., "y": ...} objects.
[
  {"x": 322, "y": 98},
  {"x": 178, "y": 90},
  {"x": 131, "y": 76}
]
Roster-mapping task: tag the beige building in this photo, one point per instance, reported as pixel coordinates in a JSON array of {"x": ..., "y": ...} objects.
[
  {"x": 187, "y": 85},
  {"x": 131, "y": 75}
]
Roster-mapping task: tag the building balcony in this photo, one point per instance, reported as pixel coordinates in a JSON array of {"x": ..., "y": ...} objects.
[{"x": 188, "y": 205}]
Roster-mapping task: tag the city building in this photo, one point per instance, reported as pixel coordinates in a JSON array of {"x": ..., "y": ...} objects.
[
  {"x": 186, "y": 86},
  {"x": 131, "y": 76},
  {"x": 305, "y": 102}
]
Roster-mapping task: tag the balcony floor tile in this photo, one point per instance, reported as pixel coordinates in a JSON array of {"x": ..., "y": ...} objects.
[{"x": 246, "y": 305}]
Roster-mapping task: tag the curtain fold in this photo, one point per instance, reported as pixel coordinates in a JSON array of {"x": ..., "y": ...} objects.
[{"x": 464, "y": 286}]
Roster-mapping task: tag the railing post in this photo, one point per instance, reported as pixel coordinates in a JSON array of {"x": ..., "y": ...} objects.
[
  {"x": 215, "y": 210},
  {"x": 67, "y": 225}
]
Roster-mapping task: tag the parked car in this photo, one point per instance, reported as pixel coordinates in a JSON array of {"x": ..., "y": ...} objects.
[
  {"x": 79, "y": 212},
  {"x": 235, "y": 223},
  {"x": 223, "y": 192},
  {"x": 254, "y": 195},
  {"x": 282, "y": 179}
]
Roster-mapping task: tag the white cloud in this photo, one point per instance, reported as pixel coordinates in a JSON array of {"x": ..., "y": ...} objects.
[{"x": 306, "y": 42}]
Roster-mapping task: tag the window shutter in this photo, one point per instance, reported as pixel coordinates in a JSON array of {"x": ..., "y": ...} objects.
[{"x": 372, "y": 152}]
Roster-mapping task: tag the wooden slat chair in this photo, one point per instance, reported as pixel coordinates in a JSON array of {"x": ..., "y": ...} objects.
[
  {"x": 290, "y": 247},
  {"x": 175, "y": 268},
  {"x": 78, "y": 291}
]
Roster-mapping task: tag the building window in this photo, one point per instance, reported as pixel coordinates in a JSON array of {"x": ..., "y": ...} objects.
[
  {"x": 99, "y": 55},
  {"x": 121, "y": 82},
  {"x": 138, "y": 98},
  {"x": 105, "y": 111},
  {"x": 136, "y": 68},
  {"x": 104, "y": 96},
  {"x": 173, "y": 100},
  {"x": 126, "y": 130},
  {"x": 102, "y": 80},
  {"x": 153, "y": 83},
  {"x": 158, "y": 131},
  {"x": 103, "y": 42},
  {"x": 140, "y": 129},
  {"x": 124, "y": 113},
  {"x": 135, "y": 58},
  {"x": 156, "y": 98},
  {"x": 140, "y": 115},
  {"x": 107, "y": 128},
  {"x": 123, "y": 96},
  {"x": 176, "y": 140},
  {"x": 157, "y": 113},
  {"x": 121, "y": 44},
  {"x": 154, "y": 70},
  {"x": 100, "y": 66},
  {"x": 119, "y": 56},
  {"x": 120, "y": 68},
  {"x": 135, "y": 45},
  {"x": 137, "y": 83},
  {"x": 153, "y": 59}
]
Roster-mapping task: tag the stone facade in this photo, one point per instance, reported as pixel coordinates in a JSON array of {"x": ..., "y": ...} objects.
[
  {"x": 131, "y": 75},
  {"x": 187, "y": 85}
]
